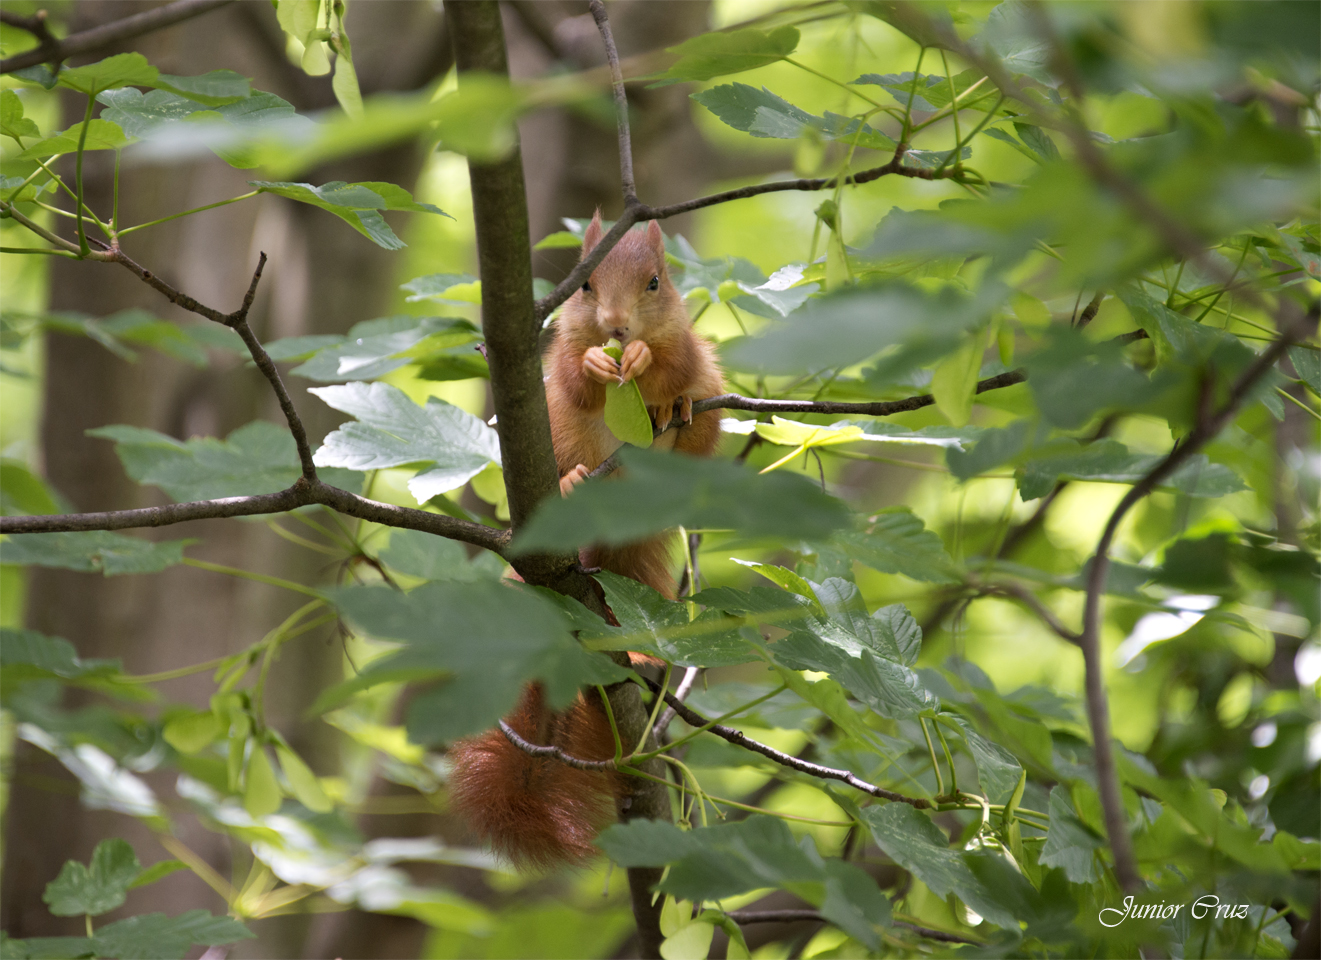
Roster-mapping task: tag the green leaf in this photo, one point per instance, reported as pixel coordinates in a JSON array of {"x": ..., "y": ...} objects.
[
  {"x": 101, "y": 135},
  {"x": 121, "y": 70},
  {"x": 46, "y": 948},
  {"x": 258, "y": 457},
  {"x": 233, "y": 131},
  {"x": 496, "y": 638},
  {"x": 392, "y": 430},
  {"x": 929, "y": 93},
  {"x": 261, "y": 791},
  {"x": 425, "y": 555},
  {"x": 911, "y": 840},
  {"x": 194, "y": 732},
  {"x": 373, "y": 348},
  {"x": 94, "y": 889},
  {"x": 154, "y": 936},
  {"x": 887, "y": 686},
  {"x": 896, "y": 541},
  {"x": 680, "y": 491},
  {"x": 651, "y": 624},
  {"x": 763, "y": 114},
  {"x": 997, "y": 770},
  {"x": 995, "y": 447},
  {"x": 1038, "y": 141},
  {"x": 711, "y": 863},
  {"x": 438, "y": 286},
  {"x": 1070, "y": 843},
  {"x": 357, "y": 204},
  {"x": 303, "y": 783},
  {"x": 1068, "y": 360},
  {"x": 954, "y": 381},
  {"x": 12, "y": 122},
  {"x": 22, "y": 491},
  {"x": 1308, "y": 364},
  {"x": 213, "y": 89},
  {"x": 719, "y": 54},
  {"x": 625, "y": 412},
  {"x": 1012, "y": 35},
  {"x": 847, "y": 328},
  {"x": 29, "y": 655},
  {"x": 157, "y": 871},
  {"x": 1109, "y": 461},
  {"x": 95, "y": 550}
]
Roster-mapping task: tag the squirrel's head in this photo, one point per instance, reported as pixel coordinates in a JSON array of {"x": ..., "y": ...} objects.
[{"x": 629, "y": 294}]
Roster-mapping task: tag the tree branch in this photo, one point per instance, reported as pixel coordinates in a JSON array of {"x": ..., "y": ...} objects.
[
  {"x": 237, "y": 321},
  {"x": 639, "y": 212},
  {"x": 301, "y": 494},
  {"x": 738, "y": 737},
  {"x": 554, "y": 753},
  {"x": 1014, "y": 591},
  {"x": 1098, "y": 709},
  {"x": 104, "y": 35},
  {"x": 512, "y": 321},
  {"x": 878, "y": 408},
  {"x": 621, "y": 103}
]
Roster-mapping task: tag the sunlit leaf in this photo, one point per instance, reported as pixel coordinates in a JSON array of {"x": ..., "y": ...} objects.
[
  {"x": 101, "y": 135},
  {"x": 12, "y": 122},
  {"x": 259, "y": 457},
  {"x": 763, "y": 114},
  {"x": 120, "y": 70},
  {"x": 392, "y": 430},
  {"x": 357, "y": 204}
]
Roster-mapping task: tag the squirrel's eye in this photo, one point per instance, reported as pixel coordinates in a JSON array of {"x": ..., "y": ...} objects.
[
  {"x": 655, "y": 284},
  {"x": 587, "y": 287}
]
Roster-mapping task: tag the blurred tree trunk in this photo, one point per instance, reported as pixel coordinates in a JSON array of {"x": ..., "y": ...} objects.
[{"x": 322, "y": 278}]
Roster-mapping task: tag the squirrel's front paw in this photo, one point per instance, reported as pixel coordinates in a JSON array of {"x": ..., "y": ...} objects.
[
  {"x": 571, "y": 479},
  {"x": 635, "y": 361},
  {"x": 600, "y": 366}
]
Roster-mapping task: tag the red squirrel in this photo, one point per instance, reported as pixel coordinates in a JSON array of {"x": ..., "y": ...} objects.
[{"x": 540, "y": 811}]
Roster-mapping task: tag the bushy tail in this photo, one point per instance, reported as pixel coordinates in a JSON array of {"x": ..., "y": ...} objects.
[{"x": 533, "y": 810}]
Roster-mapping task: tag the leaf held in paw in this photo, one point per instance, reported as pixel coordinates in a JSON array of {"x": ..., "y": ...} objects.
[{"x": 625, "y": 413}]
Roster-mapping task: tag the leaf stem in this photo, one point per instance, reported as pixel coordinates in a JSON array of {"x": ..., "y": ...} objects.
[
  {"x": 249, "y": 575},
  {"x": 175, "y": 216},
  {"x": 614, "y": 727},
  {"x": 78, "y": 172},
  {"x": 935, "y": 764}
]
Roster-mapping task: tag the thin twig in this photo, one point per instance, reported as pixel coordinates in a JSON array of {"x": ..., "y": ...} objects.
[
  {"x": 640, "y": 212},
  {"x": 47, "y": 44},
  {"x": 694, "y": 719},
  {"x": 1025, "y": 596},
  {"x": 680, "y": 693},
  {"x": 1089, "y": 312},
  {"x": 621, "y": 102},
  {"x": 1098, "y": 711},
  {"x": 554, "y": 753},
  {"x": 301, "y": 494},
  {"x": 106, "y": 34}
]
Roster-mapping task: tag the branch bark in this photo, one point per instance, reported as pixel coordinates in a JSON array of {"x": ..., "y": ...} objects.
[
  {"x": 1098, "y": 709},
  {"x": 107, "y": 34},
  {"x": 511, "y": 321},
  {"x": 739, "y": 738}
]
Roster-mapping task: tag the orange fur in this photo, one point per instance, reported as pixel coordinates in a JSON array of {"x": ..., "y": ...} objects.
[{"x": 539, "y": 811}]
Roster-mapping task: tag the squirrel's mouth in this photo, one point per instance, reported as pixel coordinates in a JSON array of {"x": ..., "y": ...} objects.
[{"x": 620, "y": 335}]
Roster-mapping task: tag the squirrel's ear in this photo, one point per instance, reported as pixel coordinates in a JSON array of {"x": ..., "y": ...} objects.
[
  {"x": 593, "y": 235},
  {"x": 656, "y": 239}
]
